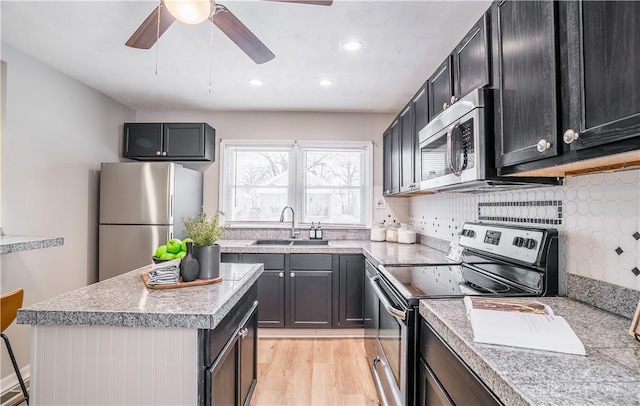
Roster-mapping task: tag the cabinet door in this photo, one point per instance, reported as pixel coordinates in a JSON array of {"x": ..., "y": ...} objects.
[
  {"x": 350, "y": 298},
  {"x": 395, "y": 157},
  {"x": 224, "y": 378},
  {"x": 184, "y": 140},
  {"x": 525, "y": 69},
  {"x": 310, "y": 298},
  {"x": 271, "y": 296},
  {"x": 248, "y": 363},
  {"x": 603, "y": 70},
  {"x": 407, "y": 150},
  {"x": 471, "y": 59},
  {"x": 420, "y": 105},
  {"x": 142, "y": 140},
  {"x": 440, "y": 89},
  {"x": 386, "y": 162}
]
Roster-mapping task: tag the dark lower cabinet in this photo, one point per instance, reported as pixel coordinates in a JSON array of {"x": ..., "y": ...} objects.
[
  {"x": 271, "y": 295},
  {"x": 308, "y": 290},
  {"x": 351, "y": 277},
  {"x": 526, "y": 80},
  {"x": 229, "y": 356},
  {"x": 443, "y": 378},
  {"x": 310, "y": 298}
]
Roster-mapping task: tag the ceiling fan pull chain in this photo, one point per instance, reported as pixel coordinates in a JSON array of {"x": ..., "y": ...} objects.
[
  {"x": 211, "y": 59},
  {"x": 158, "y": 38}
]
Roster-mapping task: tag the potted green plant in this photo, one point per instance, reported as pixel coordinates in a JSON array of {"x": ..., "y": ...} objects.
[{"x": 205, "y": 233}]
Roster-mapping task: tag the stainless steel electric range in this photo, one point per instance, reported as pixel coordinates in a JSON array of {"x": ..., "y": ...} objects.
[{"x": 496, "y": 260}]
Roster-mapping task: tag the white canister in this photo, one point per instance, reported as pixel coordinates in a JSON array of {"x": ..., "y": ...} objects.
[
  {"x": 378, "y": 232},
  {"x": 392, "y": 233},
  {"x": 406, "y": 234}
]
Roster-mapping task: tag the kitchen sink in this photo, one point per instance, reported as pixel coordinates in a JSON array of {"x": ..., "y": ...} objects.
[
  {"x": 310, "y": 242},
  {"x": 290, "y": 242}
]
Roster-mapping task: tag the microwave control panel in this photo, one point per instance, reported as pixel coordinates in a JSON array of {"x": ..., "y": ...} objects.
[{"x": 467, "y": 142}]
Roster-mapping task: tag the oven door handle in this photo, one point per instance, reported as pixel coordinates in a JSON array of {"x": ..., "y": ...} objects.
[
  {"x": 380, "y": 386},
  {"x": 397, "y": 313}
]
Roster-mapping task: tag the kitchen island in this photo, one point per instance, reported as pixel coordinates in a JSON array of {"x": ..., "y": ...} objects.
[
  {"x": 118, "y": 342},
  {"x": 608, "y": 375}
]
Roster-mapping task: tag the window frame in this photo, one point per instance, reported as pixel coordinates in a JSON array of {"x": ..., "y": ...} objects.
[{"x": 296, "y": 179}]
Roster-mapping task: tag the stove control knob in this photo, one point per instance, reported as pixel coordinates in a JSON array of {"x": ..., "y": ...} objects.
[
  {"x": 518, "y": 241},
  {"x": 530, "y": 243},
  {"x": 471, "y": 233}
]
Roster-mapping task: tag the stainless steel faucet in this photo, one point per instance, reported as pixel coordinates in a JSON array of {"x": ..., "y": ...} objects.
[{"x": 293, "y": 221}]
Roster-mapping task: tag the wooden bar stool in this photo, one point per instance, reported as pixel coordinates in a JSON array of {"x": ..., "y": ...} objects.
[{"x": 9, "y": 305}]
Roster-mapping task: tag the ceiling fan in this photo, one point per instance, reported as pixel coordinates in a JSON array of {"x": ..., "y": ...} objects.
[{"x": 197, "y": 11}]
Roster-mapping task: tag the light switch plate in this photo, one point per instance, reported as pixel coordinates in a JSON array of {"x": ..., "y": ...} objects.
[{"x": 381, "y": 203}]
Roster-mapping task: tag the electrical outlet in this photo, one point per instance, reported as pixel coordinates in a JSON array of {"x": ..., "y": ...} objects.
[{"x": 381, "y": 203}]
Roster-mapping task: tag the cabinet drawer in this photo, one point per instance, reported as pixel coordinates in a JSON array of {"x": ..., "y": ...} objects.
[
  {"x": 311, "y": 261},
  {"x": 460, "y": 383},
  {"x": 270, "y": 261},
  {"x": 230, "y": 258}
]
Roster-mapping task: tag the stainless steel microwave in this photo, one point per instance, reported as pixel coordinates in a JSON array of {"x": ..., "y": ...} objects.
[{"x": 457, "y": 150}]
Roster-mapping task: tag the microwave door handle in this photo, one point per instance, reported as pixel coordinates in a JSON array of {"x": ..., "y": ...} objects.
[
  {"x": 398, "y": 314},
  {"x": 450, "y": 148}
]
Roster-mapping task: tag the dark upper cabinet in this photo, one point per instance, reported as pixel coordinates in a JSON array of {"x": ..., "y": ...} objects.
[
  {"x": 440, "y": 88},
  {"x": 391, "y": 159},
  {"x": 408, "y": 145},
  {"x": 471, "y": 59},
  {"x": 525, "y": 80},
  {"x": 168, "y": 141},
  {"x": 351, "y": 291},
  {"x": 602, "y": 72},
  {"x": 420, "y": 106}
]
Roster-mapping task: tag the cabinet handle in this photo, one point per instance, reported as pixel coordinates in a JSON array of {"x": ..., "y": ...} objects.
[
  {"x": 570, "y": 135},
  {"x": 244, "y": 332},
  {"x": 444, "y": 106},
  {"x": 453, "y": 99},
  {"x": 158, "y": 153},
  {"x": 281, "y": 274},
  {"x": 543, "y": 145},
  {"x": 292, "y": 274},
  {"x": 164, "y": 154}
]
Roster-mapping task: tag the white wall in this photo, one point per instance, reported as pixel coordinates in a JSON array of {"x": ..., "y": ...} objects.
[
  {"x": 56, "y": 134},
  {"x": 291, "y": 126}
]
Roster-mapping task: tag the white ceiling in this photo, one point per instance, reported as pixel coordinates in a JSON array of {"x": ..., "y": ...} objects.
[{"x": 404, "y": 41}]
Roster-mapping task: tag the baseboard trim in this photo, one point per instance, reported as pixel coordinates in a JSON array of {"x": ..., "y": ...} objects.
[
  {"x": 310, "y": 333},
  {"x": 11, "y": 390}
]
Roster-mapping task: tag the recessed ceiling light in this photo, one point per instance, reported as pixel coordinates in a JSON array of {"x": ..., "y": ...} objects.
[
  {"x": 352, "y": 46},
  {"x": 256, "y": 82},
  {"x": 325, "y": 82}
]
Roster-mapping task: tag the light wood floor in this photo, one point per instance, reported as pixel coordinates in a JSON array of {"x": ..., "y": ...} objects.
[{"x": 326, "y": 371}]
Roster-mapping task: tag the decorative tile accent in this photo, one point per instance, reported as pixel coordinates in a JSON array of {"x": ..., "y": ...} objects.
[
  {"x": 547, "y": 212},
  {"x": 619, "y": 251},
  {"x": 636, "y": 271},
  {"x": 636, "y": 235}
]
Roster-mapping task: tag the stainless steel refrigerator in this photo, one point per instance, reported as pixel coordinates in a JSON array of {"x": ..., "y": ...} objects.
[{"x": 142, "y": 205}]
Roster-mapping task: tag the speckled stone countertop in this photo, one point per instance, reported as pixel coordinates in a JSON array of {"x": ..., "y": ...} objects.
[
  {"x": 377, "y": 252},
  {"x": 12, "y": 243},
  {"x": 125, "y": 301},
  {"x": 608, "y": 375}
]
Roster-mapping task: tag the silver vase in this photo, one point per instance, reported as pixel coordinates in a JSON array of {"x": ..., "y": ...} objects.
[{"x": 209, "y": 259}]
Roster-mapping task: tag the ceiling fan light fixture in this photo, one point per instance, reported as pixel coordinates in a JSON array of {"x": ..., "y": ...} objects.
[{"x": 190, "y": 11}]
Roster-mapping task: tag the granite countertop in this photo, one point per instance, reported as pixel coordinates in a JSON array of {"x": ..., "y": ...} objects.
[
  {"x": 125, "y": 301},
  {"x": 377, "y": 252},
  {"x": 12, "y": 243},
  {"x": 608, "y": 375}
]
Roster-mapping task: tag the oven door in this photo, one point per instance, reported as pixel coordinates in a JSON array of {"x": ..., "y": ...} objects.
[{"x": 389, "y": 367}]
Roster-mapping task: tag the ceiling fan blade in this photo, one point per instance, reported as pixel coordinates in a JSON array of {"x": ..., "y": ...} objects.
[
  {"x": 147, "y": 34},
  {"x": 240, "y": 35},
  {"x": 312, "y": 2}
]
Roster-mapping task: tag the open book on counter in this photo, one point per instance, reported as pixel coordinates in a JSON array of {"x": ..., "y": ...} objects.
[{"x": 520, "y": 323}]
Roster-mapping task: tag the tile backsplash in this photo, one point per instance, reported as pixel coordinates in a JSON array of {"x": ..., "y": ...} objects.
[{"x": 597, "y": 217}]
